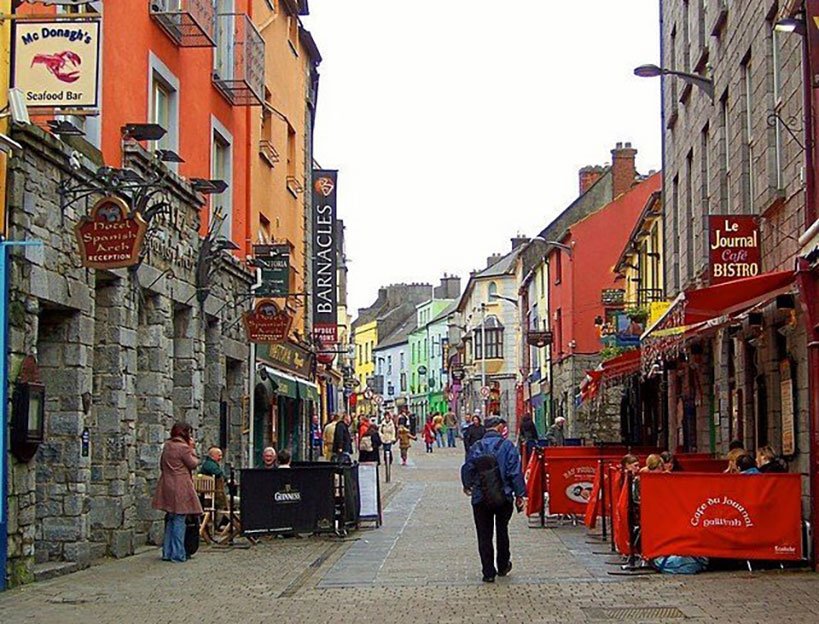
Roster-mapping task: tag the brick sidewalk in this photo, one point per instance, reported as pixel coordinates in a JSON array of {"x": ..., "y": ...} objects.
[{"x": 421, "y": 566}]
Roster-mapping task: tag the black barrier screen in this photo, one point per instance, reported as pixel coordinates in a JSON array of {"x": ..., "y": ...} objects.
[{"x": 299, "y": 499}]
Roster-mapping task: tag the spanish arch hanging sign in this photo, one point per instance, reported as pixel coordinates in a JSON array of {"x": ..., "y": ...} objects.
[
  {"x": 56, "y": 63},
  {"x": 267, "y": 323},
  {"x": 733, "y": 247},
  {"x": 111, "y": 237}
]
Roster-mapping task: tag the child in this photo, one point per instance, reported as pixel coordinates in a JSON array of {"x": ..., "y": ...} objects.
[
  {"x": 404, "y": 437},
  {"x": 429, "y": 434}
]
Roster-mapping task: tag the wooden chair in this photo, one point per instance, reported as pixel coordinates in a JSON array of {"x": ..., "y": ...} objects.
[{"x": 206, "y": 489}]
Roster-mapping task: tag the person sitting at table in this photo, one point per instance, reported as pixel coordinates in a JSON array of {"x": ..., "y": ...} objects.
[
  {"x": 767, "y": 461},
  {"x": 654, "y": 463},
  {"x": 736, "y": 445},
  {"x": 630, "y": 463},
  {"x": 670, "y": 462},
  {"x": 211, "y": 468},
  {"x": 284, "y": 458},
  {"x": 746, "y": 465},
  {"x": 269, "y": 458},
  {"x": 732, "y": 457}
]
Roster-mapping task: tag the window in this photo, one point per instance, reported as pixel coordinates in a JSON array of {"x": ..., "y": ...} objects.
[
  {"x": 163, "y": 105},
  {"x": 672, "y": 231},
  {"x": 492, "y": 290},
  {"x": 725, "y": 169},
  {"x": 749, "y": 189},
  {"x": 776, "y": 88},
  {"x": 401, "y": 361},
  {"x": 686, "y": 35},
  {"x": 225, "y": 39},
  {"x": 389, "y": 365},
  {"x": 558, "y": 262},
  {"x": 705, "y": 159},
  {"x": 293, "y": 33},
  {"x": 689, "y": 214},
  {"x": 559, "y": 330},
  {"x": 221, "y": 169}
]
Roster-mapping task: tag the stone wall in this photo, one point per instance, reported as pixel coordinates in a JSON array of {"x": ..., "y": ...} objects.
[{"x": 122, "y": 353}]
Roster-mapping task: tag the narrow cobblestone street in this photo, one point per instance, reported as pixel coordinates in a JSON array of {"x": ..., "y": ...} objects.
[{"x": 421, "y": 566}]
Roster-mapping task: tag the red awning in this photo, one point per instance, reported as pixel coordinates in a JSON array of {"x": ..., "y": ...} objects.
[
  {"x": 624, "y": 364},
  {"x": 705, "y": 304}
]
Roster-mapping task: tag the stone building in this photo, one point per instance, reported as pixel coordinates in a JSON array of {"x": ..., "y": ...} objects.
[
  {"x": 731, "y": 149},
  {"x": 122, "y": 354}
]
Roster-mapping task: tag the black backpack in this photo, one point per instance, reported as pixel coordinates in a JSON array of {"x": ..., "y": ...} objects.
[{"x": 489, "y": 476}]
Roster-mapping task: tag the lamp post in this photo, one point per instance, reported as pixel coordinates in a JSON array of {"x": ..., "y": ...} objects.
[{"x": 702, "y": 82}]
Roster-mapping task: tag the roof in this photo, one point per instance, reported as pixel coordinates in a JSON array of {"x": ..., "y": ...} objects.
[
  {"x": 504, "y": 266},
  {"x": 399, "y": 336},
  {"x": 445, "y": 312},
  {"x": 310, "y": 45},
  {"x": 580, "y": 207}
]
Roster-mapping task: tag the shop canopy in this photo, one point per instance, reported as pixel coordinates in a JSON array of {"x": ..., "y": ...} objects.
[
  {"x": 623, "y": 365},
  {"x": 702, "y": 305},
  {"x": 292, "y": 387}
]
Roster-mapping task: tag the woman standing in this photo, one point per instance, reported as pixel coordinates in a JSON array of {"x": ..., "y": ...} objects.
[
  {"x": 429, "y": 434},
  {"x": 175, "y": 494},
  {"x": 387, "y": 433},
  {"x": 370, "y": 446}
]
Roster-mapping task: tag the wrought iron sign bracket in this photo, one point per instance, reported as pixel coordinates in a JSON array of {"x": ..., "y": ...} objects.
[{"x": 774, "y": 117}]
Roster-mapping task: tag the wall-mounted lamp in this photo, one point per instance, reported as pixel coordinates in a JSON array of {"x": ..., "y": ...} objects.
[
  {"x": 143, "y": 131},
  {"x": 62, "y": 127},
  {"x": 702, "y": 82},
  {"x": 16, "y": 108},
  {"x": 567, "y": 248},
  {"x": 28, "y": 411},
  {"x": 209, "y": 187},
  {"x": 168, "y": 156},
  {"x": 791, "y": 25}
]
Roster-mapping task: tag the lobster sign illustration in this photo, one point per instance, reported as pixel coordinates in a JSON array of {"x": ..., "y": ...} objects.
[{"x": 64, "y": 65}]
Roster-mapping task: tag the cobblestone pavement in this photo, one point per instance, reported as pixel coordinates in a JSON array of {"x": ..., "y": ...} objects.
[{"x": 421, "y": 566}]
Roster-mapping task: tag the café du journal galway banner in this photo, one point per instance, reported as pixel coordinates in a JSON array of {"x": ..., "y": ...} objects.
[{"x": 56, "y": 64}]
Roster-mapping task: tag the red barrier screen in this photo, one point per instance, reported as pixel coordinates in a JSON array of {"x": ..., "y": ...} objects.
[
  {"x": 570, "y": 484},
  {"x": 721, "y": 515}
]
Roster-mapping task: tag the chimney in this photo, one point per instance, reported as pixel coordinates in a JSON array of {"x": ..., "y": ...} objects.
[
  {"x": 450, "y": 287},
  {"x": 517, "y": 241},
  {"x": 622, "y": 169},
  {"x": 493, "y": 259},
  {"x": 588, "y": 175}
]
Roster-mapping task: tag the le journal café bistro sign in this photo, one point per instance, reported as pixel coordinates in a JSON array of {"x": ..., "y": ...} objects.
[{"x": 733, "y": 247}]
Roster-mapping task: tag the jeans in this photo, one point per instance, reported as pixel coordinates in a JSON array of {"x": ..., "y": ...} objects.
[
  {"x": 450, "y": 437},
  {"x": 487, "y": 522},
  {"x": 439, "y": 439},
  {"x": 173, "y": 546}
]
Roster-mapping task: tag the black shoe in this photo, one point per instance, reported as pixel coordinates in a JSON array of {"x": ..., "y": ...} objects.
[
  {"x": 488, "y": 579},
  {"x": 506, "y": 570}
]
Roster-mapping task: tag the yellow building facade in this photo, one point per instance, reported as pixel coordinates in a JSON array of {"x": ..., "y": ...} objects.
[
  {"x": 281, "y": 135},
  {"x": 641, "y": 264},
  {"x": 365, "y": 339},
  {"x": 5, "y": 81}
]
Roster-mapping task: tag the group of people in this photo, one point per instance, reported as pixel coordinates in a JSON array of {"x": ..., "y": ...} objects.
[
  {"x": 742, "y": 462},
  {"x": 371, "y": 438}
]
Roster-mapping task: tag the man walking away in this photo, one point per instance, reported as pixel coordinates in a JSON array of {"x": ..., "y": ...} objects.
[
  {"x": 343, "y": 442},
  {"x": 451, "y": 423},
  {"x": 492, "y": 477},
  {"x": 555, "y": 435},
  {"x": 329, "y": 436}
]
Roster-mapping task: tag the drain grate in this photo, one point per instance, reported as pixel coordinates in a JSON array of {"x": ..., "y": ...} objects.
[{"x": 622, "y": 614}]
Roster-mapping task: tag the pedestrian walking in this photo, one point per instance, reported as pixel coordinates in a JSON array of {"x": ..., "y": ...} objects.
[
  {"x": 342, "y": 441},
  {"x": 528, "y": 433},
  {"x": 328, "y": 436},
  {"x": 555, "y": 435},
  {"x": 404, "y": 444},
  {"x": 369, "y": 446},
  {"x": 175, "y": 494},
  {"x": 492, "y": 477},
  {"x": 316, "y": 438},
  {"x": 429, "y": 434},
  {"x": 438, "y": 425},
  {"x": 473, "y": 433},
  {"x": 387, "y": 433},
  {"x": 451, "y": 424}
]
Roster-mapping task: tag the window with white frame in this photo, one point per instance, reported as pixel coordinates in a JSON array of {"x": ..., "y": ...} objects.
[
  {"x": 749, "y": 186},
  {"x": 221, "y": 169},
  {"x": 776, "y": 88},
  {"x": 163, "y": 105},
  {"x": 225, "y": 39}
]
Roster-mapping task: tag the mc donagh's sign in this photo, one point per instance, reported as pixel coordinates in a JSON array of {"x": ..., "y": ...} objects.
[
  {"x": 267, "y": 323},
  {"x": 110, "y": 238},
  {"x": 733, "y": 247}
]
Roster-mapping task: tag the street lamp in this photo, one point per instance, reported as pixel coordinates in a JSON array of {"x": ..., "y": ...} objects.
[
  {"x": 567, "y": 248},
  {"x": 652, "y": 71},
  {"x": 790, "y": 25},
  {"x": 514, "y": 302}
]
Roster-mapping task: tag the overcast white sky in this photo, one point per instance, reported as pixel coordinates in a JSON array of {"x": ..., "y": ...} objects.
[{"x": 455, "y": 126}]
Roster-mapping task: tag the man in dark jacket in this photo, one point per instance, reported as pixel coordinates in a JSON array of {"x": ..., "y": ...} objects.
[
  {"x": 342, "y": 441},
  {"x": 486, "y": 517},
  {"x": 473, "y": 433}
]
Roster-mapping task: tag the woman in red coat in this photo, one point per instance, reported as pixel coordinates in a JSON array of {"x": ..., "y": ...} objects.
[
  {"x": 175, "y": 493},
  {"x": 429, "y": 434}
]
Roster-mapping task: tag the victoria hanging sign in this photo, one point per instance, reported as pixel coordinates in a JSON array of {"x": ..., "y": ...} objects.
[
  {"x": 733, "y": 247},
  {"x": 56, "y": 63},
  {"x": 111, "y": 236},
  {"x": 267, "y": 323},
  {"x": 325, "y": 256}
]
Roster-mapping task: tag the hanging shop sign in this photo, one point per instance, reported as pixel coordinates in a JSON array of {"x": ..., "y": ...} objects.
[
  {"x": 57, "y": 63},
  {"x": 111, "y": 237},
  {"x": 287, "y": 356},
  {"x": 267, "y": 323},
  {"x": 272, "y": 270},
  {"x": 733, "y": 247},
  {"x": 787, "y": 406},
  {"x": 325, "y": 255}
]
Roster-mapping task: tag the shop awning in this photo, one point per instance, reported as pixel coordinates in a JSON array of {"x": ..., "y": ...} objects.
[
  {"x": 701, "y": 305},
  {"x": 283, "y": 384},
  {"x": 624, "y": 364},
  {"x": 308, "y": 391}
]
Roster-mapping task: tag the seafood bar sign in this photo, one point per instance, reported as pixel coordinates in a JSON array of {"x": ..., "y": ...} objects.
[{"x": 56, "y": 64}]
